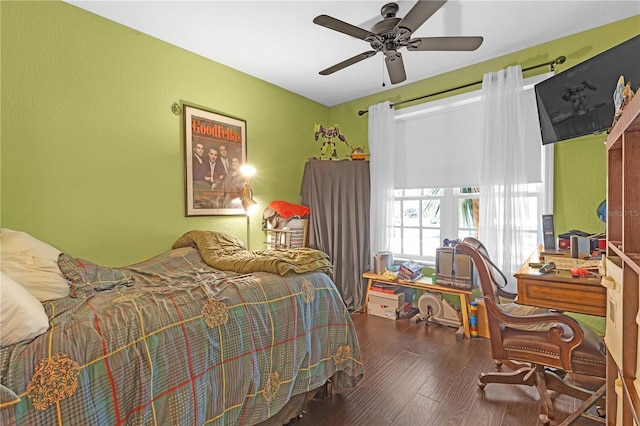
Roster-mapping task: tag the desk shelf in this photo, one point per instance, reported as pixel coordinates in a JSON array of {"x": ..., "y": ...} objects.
[
  {"x": 630, "y": 259},
  {"x": 427, "y": 285}
]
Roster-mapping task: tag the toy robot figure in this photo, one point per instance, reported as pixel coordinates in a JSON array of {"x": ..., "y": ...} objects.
[{"x": 328, "y": 150}]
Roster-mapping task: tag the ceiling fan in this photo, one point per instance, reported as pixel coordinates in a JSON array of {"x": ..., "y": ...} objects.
[{"x": 392, "y": 33}]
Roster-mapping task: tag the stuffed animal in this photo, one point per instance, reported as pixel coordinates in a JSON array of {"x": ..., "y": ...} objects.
[{"x": 621, "y": 98}]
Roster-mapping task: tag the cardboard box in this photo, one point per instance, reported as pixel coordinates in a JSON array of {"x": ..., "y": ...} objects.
[{"x": 385, "y": 305}]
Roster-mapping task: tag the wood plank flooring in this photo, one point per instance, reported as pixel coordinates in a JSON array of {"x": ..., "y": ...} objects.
[{"x": 423, "y": 375}]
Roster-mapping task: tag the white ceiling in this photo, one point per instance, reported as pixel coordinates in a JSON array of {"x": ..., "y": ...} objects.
[{"x": 277, "y": 41}]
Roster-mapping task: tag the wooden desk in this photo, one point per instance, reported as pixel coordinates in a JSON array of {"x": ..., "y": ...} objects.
[
  {"x": 559, "y": 290},
  {"x": 425, "y": 284}
]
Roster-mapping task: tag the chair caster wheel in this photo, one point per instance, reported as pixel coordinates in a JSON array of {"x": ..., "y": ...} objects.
[
  {"x": 546, "y": 421},
  {"x": 481, "y": 385}
]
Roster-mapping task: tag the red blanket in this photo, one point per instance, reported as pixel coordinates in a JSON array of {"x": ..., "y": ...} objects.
[{"x": 285, "y": 209}]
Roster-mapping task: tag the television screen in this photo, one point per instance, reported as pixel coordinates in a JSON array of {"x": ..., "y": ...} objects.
[{"x": 579, "y": 101}]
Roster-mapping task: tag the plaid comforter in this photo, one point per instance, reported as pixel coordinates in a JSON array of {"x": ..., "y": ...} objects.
[{"x": 178, "y": 342}]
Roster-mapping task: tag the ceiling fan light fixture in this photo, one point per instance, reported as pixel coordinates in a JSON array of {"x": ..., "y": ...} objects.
[{"x": 389, "y": 10}]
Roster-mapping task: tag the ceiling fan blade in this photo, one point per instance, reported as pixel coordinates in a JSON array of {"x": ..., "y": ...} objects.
[
  {"x": 337, "y": 67},
  {"x": 343, "y": 27},
  {"x": 420, "y": 12},
  {"x": 445, "y": 43},
  {"x": 395, "y": 67}
]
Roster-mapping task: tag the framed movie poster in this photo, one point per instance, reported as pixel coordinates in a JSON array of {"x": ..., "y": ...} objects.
[{"x": 215, "y": 148}]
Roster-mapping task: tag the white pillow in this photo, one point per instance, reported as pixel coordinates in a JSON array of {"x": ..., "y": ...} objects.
[
  {"x": 22, "y": 316},
  {"x": 33, "y": 264}
]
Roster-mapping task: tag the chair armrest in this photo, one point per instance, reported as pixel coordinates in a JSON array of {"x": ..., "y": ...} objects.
[
  {"x": 565, "y": 332},
  {"x": 507, "y": 295}
]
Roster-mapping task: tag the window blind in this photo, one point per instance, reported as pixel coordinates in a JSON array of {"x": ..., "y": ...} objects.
[{"x": 438, "y": 143}]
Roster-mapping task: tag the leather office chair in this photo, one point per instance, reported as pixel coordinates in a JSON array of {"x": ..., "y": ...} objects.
[{"x": 539, "y": 349}]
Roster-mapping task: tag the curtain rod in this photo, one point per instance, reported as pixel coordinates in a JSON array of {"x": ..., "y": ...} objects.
[{"x": 551, "y": 64}]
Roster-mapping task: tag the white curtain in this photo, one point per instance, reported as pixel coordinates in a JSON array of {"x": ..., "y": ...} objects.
[
  {"x": 503, "y": 181},
  {"x": 382, "y": 138}
]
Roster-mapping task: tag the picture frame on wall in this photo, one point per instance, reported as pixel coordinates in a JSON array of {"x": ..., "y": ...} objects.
[{"x": 215, "y": 148}]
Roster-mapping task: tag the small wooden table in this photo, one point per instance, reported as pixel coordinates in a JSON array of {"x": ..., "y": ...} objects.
[
  {"x": 559, "y": 290},
  {"x": 425, "y": 284}
]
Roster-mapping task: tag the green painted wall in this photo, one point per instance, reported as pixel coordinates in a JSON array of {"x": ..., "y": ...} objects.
[
  {"x": 92, "y": 156},
  {"x": 580, "y": 166}
]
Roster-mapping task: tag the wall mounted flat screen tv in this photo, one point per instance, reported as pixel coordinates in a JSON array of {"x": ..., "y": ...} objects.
[{"x": 579, "y": 100}]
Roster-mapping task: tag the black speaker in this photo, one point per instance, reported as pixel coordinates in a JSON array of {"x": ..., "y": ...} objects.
[{"x": 548, "y": 233}]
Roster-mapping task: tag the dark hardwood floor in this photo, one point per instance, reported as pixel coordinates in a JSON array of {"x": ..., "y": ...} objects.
[{"x": 423, "y": 375}]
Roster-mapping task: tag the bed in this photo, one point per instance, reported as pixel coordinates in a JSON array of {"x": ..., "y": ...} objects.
[{"x": 175, "y": 340}]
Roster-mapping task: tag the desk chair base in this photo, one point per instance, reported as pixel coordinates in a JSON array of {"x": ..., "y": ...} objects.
[
  {"x": 581, "y": 412},
  {"x": 544, "y": 380}
]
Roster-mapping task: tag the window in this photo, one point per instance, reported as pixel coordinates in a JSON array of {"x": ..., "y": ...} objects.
[
  {"x": 424, "y": 217},
  {"x": 434, "y": 149}
]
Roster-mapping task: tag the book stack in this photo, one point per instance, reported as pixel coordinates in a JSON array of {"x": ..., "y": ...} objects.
[{"x": 410, "y": 271}]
